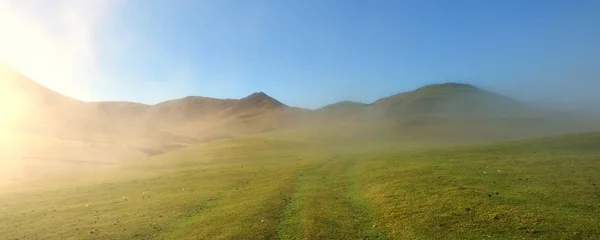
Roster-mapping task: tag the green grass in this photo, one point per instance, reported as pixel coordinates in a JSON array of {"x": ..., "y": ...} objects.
[
  {"x": 530, "y": 189},
  {"x": 284, "y": 186}
]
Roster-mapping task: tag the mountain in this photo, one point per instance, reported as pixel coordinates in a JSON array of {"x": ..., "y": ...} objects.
[
  {"x": 452, "y": 110},
  {"x": 25, "y": 104},
  {"x": 151, "y": 129},
  {"x": 47, "y": 125},
  {"x": 447, "y": 99},
  {"x": 199, "y": 117},
  {"x": 44, "y": 127},
  {"x": 37, "y": 109},
  {"x": 431, "y": 104},
  {"x": 202, "y": 117},
  {"x": 258, "y": 100},
  {"x": 190, "y": 108},
  {"x": 193, "y": 115},
  {"x": 14, "y": 84}
]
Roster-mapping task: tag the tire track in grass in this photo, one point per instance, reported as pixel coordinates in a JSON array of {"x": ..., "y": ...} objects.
[
  {"x": 368, "y": 228},
  {"x": 289, "y": 223},
  {"x": 235, "y": 214},
  {"x": 326, "y": 205}
]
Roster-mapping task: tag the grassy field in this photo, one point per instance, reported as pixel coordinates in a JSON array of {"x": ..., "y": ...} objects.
[{"x": 280, "y": 186}]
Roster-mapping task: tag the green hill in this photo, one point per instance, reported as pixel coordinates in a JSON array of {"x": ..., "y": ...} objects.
[{"x": 448, "y": 99}]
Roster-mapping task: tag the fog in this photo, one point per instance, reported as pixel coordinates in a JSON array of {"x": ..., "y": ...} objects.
[{"x": 51, "y": 70}]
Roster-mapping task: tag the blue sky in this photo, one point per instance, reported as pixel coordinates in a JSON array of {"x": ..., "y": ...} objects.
[{"x": 315, "y": 52}]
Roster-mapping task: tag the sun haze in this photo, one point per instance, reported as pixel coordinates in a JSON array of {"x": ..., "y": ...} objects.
[{"x": 266, "y": 119}]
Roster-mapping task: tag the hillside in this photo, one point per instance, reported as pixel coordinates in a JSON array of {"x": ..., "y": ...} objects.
[
  {"x": 449, "y": 99},
  {"x": 204, "y": 117},
  {"x": 52, "y": 128},
  {"x": 26, "y": 102},
  {"x": 44, "y": 133}
]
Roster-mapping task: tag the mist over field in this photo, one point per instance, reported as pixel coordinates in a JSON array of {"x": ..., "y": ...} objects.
[
  {"x": 46, "y": 134},
  {"x": 125, "y": 169},
  {"x": 285, "y": 157},
  {"x": 299, "y": 120}
]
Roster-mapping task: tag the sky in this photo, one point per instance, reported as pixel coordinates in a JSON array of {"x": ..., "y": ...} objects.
[{"x": 305, "y": 53}]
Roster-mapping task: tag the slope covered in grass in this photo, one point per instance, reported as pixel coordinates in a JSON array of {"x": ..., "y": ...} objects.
[
  {"x": 279, "y": 186},
  {"x": 547, "y": 188},
  {"x": 447, "y": 99}
]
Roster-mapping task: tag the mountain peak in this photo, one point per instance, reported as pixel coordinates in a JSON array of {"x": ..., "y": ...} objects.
[
  {"x": 258, "y": 95},
  {"x": 261, "y": 99},
  {"x": 450, "y": 85}
]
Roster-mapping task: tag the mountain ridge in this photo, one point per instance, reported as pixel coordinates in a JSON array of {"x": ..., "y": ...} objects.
[
  {"x": 55, "y": 126},
  {"x": 258, "y": 98},
  {"x": 193, "y": 115},
  {"x": 255, "y": 97}
]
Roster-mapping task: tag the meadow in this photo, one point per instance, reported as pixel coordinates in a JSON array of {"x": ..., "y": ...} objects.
[{"x": 293, "y": 186}]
